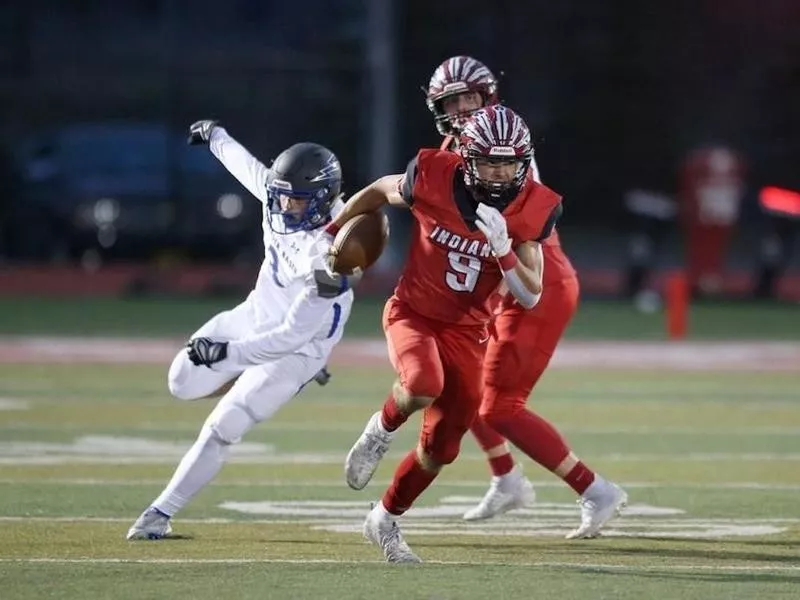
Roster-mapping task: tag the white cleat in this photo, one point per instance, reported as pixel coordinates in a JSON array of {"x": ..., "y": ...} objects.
[
  {"x": 598, "y": 507},
  {"x": 152, "y": 524},
  {"x": 381, "y": 529},
  {"x": 506, "y": 493},
  {"x": 366, "y": 453}
]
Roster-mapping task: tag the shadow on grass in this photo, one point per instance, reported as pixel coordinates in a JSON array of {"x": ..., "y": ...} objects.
[{"x": 709, "y": 576}]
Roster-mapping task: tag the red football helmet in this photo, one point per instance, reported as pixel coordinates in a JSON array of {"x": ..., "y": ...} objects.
[
  {"x": 457, "y": 75},
  {"x": 495, "y": 133}
]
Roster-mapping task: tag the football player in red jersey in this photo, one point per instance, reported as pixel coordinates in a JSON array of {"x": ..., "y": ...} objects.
[
  {"x": 478, "y": 217},
  {"x": 522, "y": 344}
]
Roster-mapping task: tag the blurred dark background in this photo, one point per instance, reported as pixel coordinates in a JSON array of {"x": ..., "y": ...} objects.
[{"x": 97, "y": 96}]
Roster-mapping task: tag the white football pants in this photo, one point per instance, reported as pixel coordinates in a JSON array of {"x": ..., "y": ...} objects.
[{"x": 255, "y": 396}]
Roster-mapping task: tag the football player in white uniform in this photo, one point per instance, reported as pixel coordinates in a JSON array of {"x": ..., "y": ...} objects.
[{"x": 269, "y": 346}]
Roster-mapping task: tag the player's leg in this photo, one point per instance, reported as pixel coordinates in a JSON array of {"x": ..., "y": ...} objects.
[
  {"x": 504, "y": 469},
  {"x": 495, "y": 446},
  {"x": 445, "y": 422},
  {"x": 509, "y": 489},
  {"x": 188, "y": 381},
  {"x": 519, "y": 356},
  {"x": 513, "y": 369},
  {"x": 543, "y": 328},
  {"x": 414, "y": 353},
  {"x": 256, "y": 395}
]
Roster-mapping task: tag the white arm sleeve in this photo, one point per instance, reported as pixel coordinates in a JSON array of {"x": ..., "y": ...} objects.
[
  {"x": 518, "y": 288},
  {"x": 301, "y": 324},
  {"x": 250, "y": 172}
]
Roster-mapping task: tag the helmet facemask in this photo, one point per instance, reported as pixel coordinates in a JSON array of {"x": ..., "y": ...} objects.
[
  {"x": 498, "y": 193},
  {"x": 496, "y": 153},
  {"x": 303, "y": 184},
  {"x": 314, "y": 210},
  {"x": 452, "y": 124}
]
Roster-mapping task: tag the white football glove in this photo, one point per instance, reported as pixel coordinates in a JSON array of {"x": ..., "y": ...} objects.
[
  {"x": 493, "y": 225},
  {"x": 322, "y": 248}
]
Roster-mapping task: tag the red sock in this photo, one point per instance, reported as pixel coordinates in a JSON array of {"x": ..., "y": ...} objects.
[
  {"x": 535, "y": 436},
  {"x": 488, "y": 439},
  {"x": 409, "y": 481},
  {"x": 391, "y": 417},
  {"x": 501, "y": 465},
  {"x": 579, "y": 478}
]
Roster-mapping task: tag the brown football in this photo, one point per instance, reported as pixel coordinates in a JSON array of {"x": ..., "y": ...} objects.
[{"x": 360, "y": 242}]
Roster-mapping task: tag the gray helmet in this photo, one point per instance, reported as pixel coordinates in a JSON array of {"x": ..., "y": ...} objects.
[{"x": 309, "y": 172}]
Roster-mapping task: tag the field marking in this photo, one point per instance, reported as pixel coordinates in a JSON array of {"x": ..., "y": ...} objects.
[
  {"x": 467, "y": 484},
  {"x": 110, "y": 449},
  {"x": 20, "y": 453},
  {"x": 334, "y": 520},
  {"x": 631, "y": 355},
  {"x": 333, "y": 561},
  {"x": 269, "y": 427},
  {"x": 14, "y": 404},
  {"x": 544, "y": 519}
]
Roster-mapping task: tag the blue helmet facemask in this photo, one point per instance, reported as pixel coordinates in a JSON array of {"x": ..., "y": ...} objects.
[{"x": 315, "y": 213}]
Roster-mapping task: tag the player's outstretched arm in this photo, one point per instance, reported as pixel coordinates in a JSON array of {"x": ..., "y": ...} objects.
[
  {"x": 250, "y": 172},
  {"x": 369, "y": 199}
]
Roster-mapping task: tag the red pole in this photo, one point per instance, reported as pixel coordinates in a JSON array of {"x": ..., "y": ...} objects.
[{"x": 677, "y": 296}]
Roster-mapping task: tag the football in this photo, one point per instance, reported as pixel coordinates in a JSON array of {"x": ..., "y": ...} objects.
[{"x": 360, "y": 242}]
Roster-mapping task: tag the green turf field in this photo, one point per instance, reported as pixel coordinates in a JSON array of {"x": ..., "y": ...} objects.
[
  {"x": 179, "y": 317},
  {"x": 711, "y": 462}
]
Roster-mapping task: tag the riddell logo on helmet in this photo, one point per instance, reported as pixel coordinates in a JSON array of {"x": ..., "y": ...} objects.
[
  {"x": 455, "y": 86},
  {"x": 282, "y": 184},
  {"x": 502, "y": 151}
]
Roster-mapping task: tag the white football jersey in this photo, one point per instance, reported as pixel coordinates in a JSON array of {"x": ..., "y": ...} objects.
[{"x": 291, "y": 313}]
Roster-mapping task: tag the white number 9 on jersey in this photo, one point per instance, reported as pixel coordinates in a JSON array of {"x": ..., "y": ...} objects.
[{"x": 463, "y": 273}]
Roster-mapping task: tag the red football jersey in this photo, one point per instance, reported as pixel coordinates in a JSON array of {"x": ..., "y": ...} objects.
[
  {"x": 557, "y": 265},
  {"x": 451, "y": 273}
]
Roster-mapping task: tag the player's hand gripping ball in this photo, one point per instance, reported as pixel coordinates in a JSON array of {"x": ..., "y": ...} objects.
[{"x": 359, "y": 243}]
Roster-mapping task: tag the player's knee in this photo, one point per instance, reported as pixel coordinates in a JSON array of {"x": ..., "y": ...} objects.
[
  {"x": 180, "y": 372},
  {"x": 229, "y": 423},
  {"x": 184, "y": 384},
  {"x": 426, "y": 461},
  {"x": 500, "y": 409},
  {"x": 420, "y": 386},
  {"x": 407, "y": 403},
  {"x": 210, "y": 439},
  {"x": 434, "y": 455}
]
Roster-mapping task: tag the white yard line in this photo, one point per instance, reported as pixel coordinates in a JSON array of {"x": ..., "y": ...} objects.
[
  {"x": 301, "y": 427},
  {"x": 637, "y": 355},
  {"x": 327, "y": 520},
  {"x": 331, "y": 458},
  {"x": 331, "y": 561},
  {"x": 467, "y": 484},
  {"x": 14, "y": 404}
]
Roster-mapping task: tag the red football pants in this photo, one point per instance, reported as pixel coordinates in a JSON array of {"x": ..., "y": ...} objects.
[
  {"x": 518, "y": 355},
  {"x": 441, "y": 361}
]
